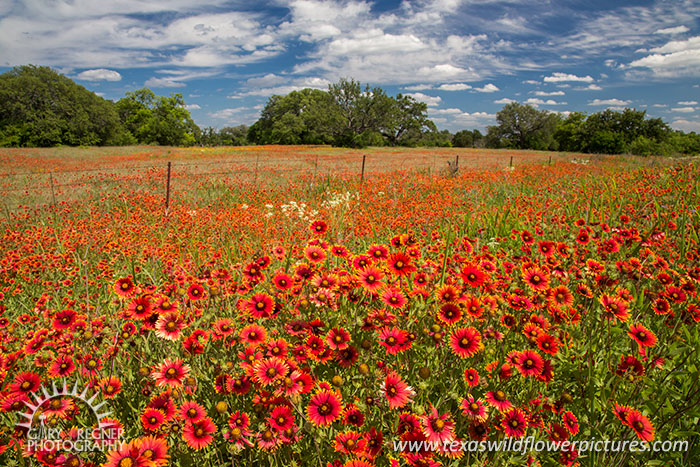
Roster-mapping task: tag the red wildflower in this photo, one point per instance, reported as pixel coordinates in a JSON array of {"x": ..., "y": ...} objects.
[
  {"x": 641, "y": 425},
  {"x": 529, "y": 363},
  {"x": 171, "y": 373},
  {"x": 198, "y": 434},
  {"x": 514, "y": 423},
  {"x": 281, "y": 418},
  {"x": 471, "y": 377},
  {"x": 397, "y": 392},
  {"x": 643, "y": 336},
  {"x": 498, "y": 400},
  {"x": 325, "y": 407},
  {"x": 466, "y": 342},
  {"x": 438, "y": 428}
]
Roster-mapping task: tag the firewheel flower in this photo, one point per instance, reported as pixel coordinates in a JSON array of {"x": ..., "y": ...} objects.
[
  {"x": 171, "y": 373},
  {"x": 397, "y": 392},
  {"x": 438, "y": 428},
  {"x": 529, "y": 363},
  {"x": 466, "y": 342},
  {"x": 514, "y": 423},
  {"x": 641, "y": 425},
  {"x": 198, "y": 435},
  {"x": 325, "y": 407},
  {"x": 643, "y": 336}
]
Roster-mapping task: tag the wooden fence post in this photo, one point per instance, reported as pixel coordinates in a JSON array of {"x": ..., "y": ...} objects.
[
  {"x": 362, "y": 175},
  {"x": 53, "y": 195},
  {"x": 511, "y": 162},
  {"x": 167, "y": 191}
]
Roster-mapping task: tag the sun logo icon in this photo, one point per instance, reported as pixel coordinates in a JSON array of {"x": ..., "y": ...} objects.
[{"x": 84, "y": 439}]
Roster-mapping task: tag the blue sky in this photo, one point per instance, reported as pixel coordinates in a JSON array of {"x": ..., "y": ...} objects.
[{"x": 464, "y": 58}]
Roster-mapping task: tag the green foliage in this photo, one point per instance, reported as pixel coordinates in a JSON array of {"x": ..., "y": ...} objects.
[
  {"x": 467, "y": 139},
  {"x": 152, "y": 119},
  {"x": 569, "y": 134},
  {"x": 685, "y": 143},
  {"x": 346, "y": 115},
  {"x": 227, "y": 136},
  {"x": 40, "y": 107},
  {"x": 611, "y": 132},
  {"x": 522, "y": 126},
  {"x": 301, "y": 117}
]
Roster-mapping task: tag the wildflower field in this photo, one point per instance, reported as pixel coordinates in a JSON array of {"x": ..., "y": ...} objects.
[{"x": 287, "y": 309}]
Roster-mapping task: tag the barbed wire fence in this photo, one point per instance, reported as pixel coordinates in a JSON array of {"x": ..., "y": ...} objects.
[{"x": 21, "y": 189}]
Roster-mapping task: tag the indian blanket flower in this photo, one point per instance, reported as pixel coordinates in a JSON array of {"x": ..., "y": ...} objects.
[
  {"x": 621, "y": 412},
  {"x": 394, "y": 339},
  {"x": 199, "y": 434},
  {"x": 152, "y": 419},
  {"x": 400, "y": 264},
  {"x": 270, "y": 370},
  {"x": 260, "y": 306},
  {"x": 473, "y": 276},
  {"x": 449, "y": 314},
  {"x": 570, "y": 422},
  {"x": 371, "y": 278},
  {"x": 325, "y": 407},
  {"x": 640, "y": 424},
  {"x": 514, "y": 423},
  {"x": 529, "y": 363},
  {"x": 154, "y": 449},
  {"x": 498, "y": 400},
  {"x": 171, "y": 373},
  {"x": 26, "y": 383},
  {"x": 438, "y": 428},
  {"x": 124, "y": 287},
  {"x": 128, "y": 455},
  {"x": 349, "y": 442},
  {"x": 474, "y": 409},
  {"x": 169, "y": 326},
  {"x": 192, "y": 411},
  {"x": 536, "y": 278},
  {"x": 614, "y": 307},
  {"x": 394, "y": 298},
  {"x": 643, "y": 336},
  {"x": 281, "y": 418},
  {"x": 338, "y": 339},
  {"x": 471, "y": 376},
  {"x": 396, "y": 391},
  {"x": 466, "y": 342}
]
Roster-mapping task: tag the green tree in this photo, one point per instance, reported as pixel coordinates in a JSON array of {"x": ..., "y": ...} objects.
[
  {"x": 307, "y": 116},
  {"x": 396, "y": 117},
  {"x": 467, "y": 139},
  {"x": 611, "y": 132},
  {"x": 360, "y": 111},
  {"x": 234, "y": 135},
  {"x": 346, "y": 115},
  {"x": 569, "y": 132},
  {"x": 155, "y": 119},
  {"x": 40, "y": 107},
  {"x": 522, "y": 126}
]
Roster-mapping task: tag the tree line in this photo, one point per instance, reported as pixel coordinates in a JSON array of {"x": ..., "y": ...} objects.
[
  {"x": 40, "y": 107},
  {"x": 607, "y": 132}
]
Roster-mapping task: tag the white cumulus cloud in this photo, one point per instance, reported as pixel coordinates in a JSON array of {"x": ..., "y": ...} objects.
[
  {"x": 675, "y": 30},
  {"x": 430, "y": 100},
  {"x": 490, "y": 87},
  {"x": 99, "y": 74},
  {"x": 685, "y": 110},
  {"x": 686, "y": 125},
  {"x": 454, "y": 87},
  {"x": 610, "y": 102},
  {"x": 565, "y": 77}
]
